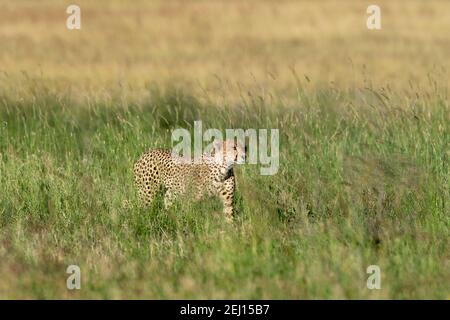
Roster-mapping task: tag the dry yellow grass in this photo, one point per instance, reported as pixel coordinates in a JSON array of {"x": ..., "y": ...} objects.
[{"x": 221, "y": 46}]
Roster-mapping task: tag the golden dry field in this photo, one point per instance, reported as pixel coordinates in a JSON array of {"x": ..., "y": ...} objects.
[{"x": 222, "y": 47}]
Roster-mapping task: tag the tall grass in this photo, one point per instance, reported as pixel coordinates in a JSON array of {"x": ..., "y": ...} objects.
[{"x": 363, "y": 180}]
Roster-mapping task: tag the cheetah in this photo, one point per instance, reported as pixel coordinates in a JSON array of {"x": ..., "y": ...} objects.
[{"x": 211, "y": 176}]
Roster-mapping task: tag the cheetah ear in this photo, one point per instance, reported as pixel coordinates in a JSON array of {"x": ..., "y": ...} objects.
[{"x": 217, "y": 148}]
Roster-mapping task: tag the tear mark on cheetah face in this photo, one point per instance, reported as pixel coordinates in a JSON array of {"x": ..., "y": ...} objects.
[{"x": 211, "y": 176}]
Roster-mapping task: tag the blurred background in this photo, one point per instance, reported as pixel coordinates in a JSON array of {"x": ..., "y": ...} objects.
[{"x": 218, "y": 47}]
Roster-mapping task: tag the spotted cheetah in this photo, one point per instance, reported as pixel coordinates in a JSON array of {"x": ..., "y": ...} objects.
[{"x": 212, "y": 175}]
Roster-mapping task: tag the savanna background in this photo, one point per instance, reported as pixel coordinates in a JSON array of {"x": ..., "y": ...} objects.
[{"x": 364, "y": 129}]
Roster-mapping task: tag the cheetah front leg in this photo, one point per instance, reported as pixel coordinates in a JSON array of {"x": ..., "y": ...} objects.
[{"x": 226, "y": 192}]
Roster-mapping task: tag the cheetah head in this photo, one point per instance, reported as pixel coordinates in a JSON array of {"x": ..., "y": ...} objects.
[{"x": 229, "y": 152}]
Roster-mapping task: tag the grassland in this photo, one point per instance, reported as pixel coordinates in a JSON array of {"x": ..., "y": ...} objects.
[
  {"x": 221, "y": 48},
  {"x": 364, "y": 146},
  {"x": 356, "y": 187}
]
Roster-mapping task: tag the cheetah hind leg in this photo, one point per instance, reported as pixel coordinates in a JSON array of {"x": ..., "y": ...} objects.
[
  {"x": 168, "y": 201},
  {"x": 150, "y": 197},
  {"x": 169, "y": 198},
  {"x": 145, "y": 198}
]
